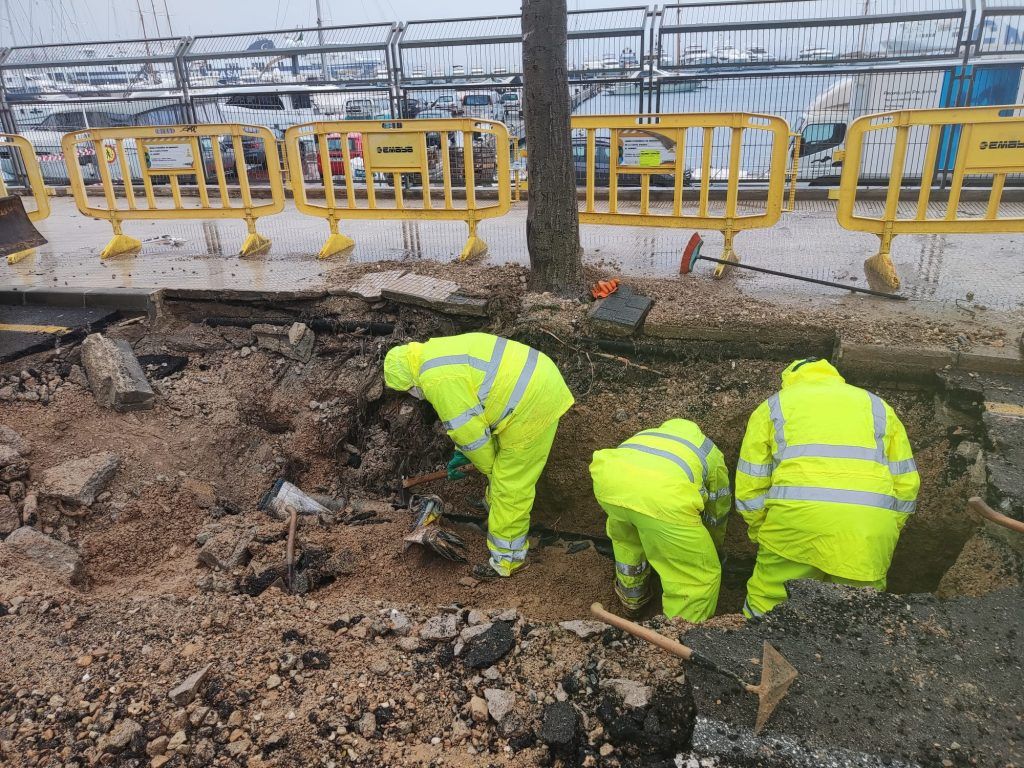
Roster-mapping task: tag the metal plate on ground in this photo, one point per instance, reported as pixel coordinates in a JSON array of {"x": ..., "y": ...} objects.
[
  {"x": 622, "y": 313},
  {"x": 25, "y": 330}
]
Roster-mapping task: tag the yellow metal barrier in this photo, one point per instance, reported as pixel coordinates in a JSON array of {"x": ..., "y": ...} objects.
[
  {"x": 982, "y": 142},
  {"x": 148, "y": 155},
  {"x": 13, "y": 147},
  {"x": 437, "y": 151},
  {"x": 655, "y": 145}
]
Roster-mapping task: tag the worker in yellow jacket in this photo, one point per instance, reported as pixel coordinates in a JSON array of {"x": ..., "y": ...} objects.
[
  {"x": 666, "y": 494},
  {"x": 826, "y": 481},
  {"x": 500, "y": 402}
]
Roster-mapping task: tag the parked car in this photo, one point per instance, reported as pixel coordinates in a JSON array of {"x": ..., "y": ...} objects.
[
  {"x": 511, "y": 103},
  {"x": 602, "y": 166},
  {"x": 336, "y": 152},
  {"x": 366, "y": 109},
  {"x": 446, "y": 102},
  {"x": 485, "y": 105}
]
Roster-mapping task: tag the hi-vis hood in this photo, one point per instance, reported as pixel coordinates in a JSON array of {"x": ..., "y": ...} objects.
[
  {"x": 800, "y": 371},
  {"x": 399, "y": 364}
]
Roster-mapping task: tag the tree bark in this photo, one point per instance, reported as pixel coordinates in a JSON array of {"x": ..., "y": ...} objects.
[{"x": 552, "y": 220}]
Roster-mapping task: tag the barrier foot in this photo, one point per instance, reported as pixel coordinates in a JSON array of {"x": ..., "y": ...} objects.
[
  {"x": 336, "y": 243},
  {"x": 475, "y": 246},
  {"x": 729, "y": 255},
  {"x": 881, "y": 264},
  {"x": 254, "y": 245},
  {"x": 14, "y": 258},
  {"x": 121, "y": 245}
]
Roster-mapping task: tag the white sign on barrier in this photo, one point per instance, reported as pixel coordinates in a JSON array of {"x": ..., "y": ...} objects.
[{"x": 170, "y": 157}]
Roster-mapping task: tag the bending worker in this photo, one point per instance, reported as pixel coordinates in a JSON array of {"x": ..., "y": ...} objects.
[
  {"x": 826, "y": 481},
  {"x": 500, "y": 402},
  {"x": 666, "y": 494}
]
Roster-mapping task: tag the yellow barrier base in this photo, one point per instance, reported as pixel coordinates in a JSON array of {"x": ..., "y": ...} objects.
[
  {"x": 881, "y": 264},
  {"x": 254, "y": 245},
  {"x": 14, "y": 258},
  {"x": 121, "y": 245},
  {"x": 730, "y": 255},
  {"x": 475, "y": 246},
  {"x": 335, "y": 244}
]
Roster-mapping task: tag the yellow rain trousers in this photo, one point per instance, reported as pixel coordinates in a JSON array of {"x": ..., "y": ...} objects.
[
  {"x": 667, "y": 497},
  {"x": 500, "y": 402},
  {"x": 826, "y": 481}
]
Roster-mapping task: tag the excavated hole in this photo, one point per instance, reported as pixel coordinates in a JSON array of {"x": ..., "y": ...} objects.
[{"x": 231, "y": 424}]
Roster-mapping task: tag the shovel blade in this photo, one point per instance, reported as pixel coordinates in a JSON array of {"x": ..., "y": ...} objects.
[
  {"x": 16, "y": 231},
  {"x": 777, "y": 675}
]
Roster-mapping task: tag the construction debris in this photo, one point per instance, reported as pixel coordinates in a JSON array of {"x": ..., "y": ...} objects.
[
  {"x": 294, "y": 341},
  {"x": 53, "y": 556},
  {"x": 114, "y": 374},
  {"x": 79, "y": 481}
]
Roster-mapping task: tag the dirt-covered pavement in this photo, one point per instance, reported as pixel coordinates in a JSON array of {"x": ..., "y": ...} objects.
[{"x": 147, "y": 616}]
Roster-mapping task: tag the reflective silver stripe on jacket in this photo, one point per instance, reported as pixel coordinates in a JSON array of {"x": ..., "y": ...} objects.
[
  {"x": 902, "y": 467},
  {"x": 711, "y": 520},
  {"x": 492, "y": 370},
  {"x": 516, "y": 543},
  {"x": 701, "y": 452},
  {"x": 721, "y": 493},
  {"x": 784, "y": 451},
  {"x": 463, "y": 418},
  {"x": 480, "y": 442},
  {"x": 521, "y": 383},
  {"x": 841, "y": 496},
  {"x": 503, "y": 557},
  {"x": 631, "y": 570},
  {"x": 751, "y": 505},
  {"x": 663, "y": 454},
  {"x": 438, "y": 362},
  {"x": 633, "y": 593},
  {"x": 754, "y": 470}
]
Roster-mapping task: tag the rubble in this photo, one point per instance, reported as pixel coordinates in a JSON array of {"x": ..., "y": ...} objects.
[
  {"x": 11, "y": 438},
  {"x": 60, "y": 559},
  {"x": 490, "y": 646},
  {"x": 583, "y": 628},
  {"x": 115, "y": 376},
  {"x": 440, "y": 628},
  {"x": 79, "y": 481},
  {"x": 227, "y": 549},
  {"x": 294, "y": 342},
  {"x": 500, "y": 703},
  {"x": 185, "y": 691}
]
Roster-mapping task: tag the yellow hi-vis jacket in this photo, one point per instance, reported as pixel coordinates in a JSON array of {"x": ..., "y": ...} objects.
[
  {"x": 483, "y": 388},
  {"x": 672, "y": 473},
  {"x": 826, "y": 475}
]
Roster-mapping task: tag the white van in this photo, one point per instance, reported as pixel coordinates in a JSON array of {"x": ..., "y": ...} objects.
[{"x": 483, "y": 104}]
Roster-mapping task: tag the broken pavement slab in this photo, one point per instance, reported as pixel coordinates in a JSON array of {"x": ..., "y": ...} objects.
[
  {"x": 46, "y": 552},
  {"x": 184, "y": 692},
  {"x": 79, "y": 481},
  {"x": 621, "y": 314},
  {"x": 434, "y": 293},
  {"x": 369, "y": 286},
  {"x": 115, "y": 376}
]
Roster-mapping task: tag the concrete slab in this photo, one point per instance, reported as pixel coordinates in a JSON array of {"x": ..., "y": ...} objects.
[
  {"x": 28, "y": 329},
  {"x": 622, "y": 313},
  {"x": 369, "y": 287},
  {"x": 433, "y": 293}
]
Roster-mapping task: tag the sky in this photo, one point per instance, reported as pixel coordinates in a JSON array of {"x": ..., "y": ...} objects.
[{"x": 85, "y": 20}]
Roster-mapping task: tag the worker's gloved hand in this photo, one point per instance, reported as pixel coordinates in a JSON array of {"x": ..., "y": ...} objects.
[{"x": 458, "y": 460}]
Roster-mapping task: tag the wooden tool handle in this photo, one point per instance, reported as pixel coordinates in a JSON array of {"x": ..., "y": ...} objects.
[
  {"x": 441, "y": 474},
  {"x": 979, "y": 507},
  {"x": 643, "y": 633}
]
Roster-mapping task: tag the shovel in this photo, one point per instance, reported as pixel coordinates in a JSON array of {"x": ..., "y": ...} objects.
[{"x": 777, "y": 674}]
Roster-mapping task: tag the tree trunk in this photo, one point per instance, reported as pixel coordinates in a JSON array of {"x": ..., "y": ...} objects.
[{"x": 552, "y": 221}]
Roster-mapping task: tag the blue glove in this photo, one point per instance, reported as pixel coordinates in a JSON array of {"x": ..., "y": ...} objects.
[{"x": 458, "y": 460}]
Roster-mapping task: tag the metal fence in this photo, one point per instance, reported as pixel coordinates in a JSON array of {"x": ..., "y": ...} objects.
[{"x": 819, "y": 64}]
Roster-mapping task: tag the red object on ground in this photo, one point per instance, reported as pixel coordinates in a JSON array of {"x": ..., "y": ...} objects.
[
  {"x": 604, "y": 288},
  {"x": 690, "y": 252}
]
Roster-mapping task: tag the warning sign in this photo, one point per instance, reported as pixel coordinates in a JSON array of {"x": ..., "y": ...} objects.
[
  {"x": 394, "y": 150},
  {"x": 109, "y": 153},
  {"x": 646, "y": 149},
  {"x": 170, "y": 157}
]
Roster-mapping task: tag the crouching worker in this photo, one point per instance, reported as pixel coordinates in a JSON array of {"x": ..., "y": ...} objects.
[
  {"x": 826, "y": 481},
  {"x": 666, "y": 494},
  {"x": 500, "y": 402}
]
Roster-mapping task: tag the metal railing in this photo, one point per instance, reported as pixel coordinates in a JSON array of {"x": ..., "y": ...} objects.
[
  {"x": 411, "y": 158},
  {"x": 652, "y": 150},
  {"x": 176, "y": 155},
  {"x": 983, "y": 144}
]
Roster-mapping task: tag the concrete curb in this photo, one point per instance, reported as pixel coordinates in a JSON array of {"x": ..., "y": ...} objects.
[
  {"x": 125, "y": 299},
  {"x": 914, "y": 363}
]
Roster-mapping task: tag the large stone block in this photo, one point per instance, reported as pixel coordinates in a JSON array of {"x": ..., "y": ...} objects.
[
  {"x": 115, "y": 376},
  {"x": 295, "y": 342},
  {"x": 79, "y": 481},
  {"x": 47, "y": 553}
]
